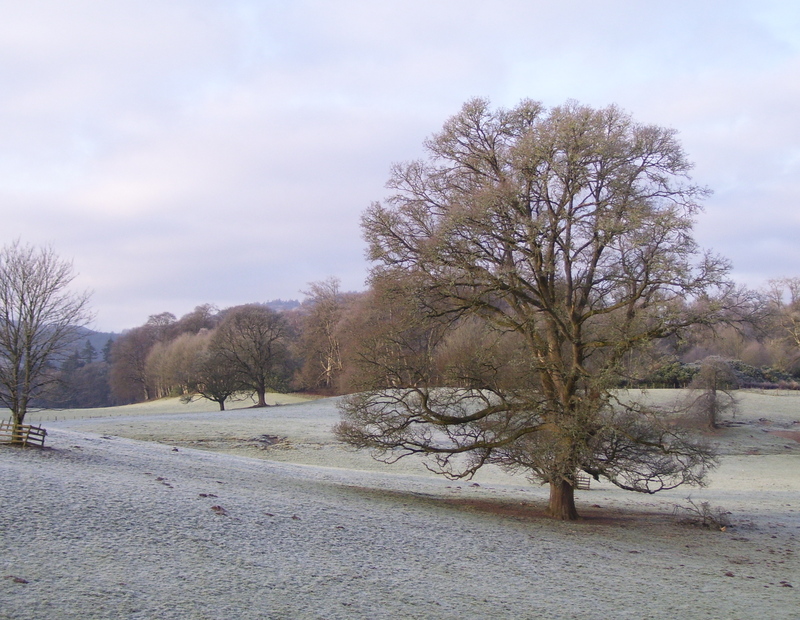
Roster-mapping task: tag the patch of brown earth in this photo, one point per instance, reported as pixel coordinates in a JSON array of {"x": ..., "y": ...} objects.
[
  {"x": 795, "y": 435},
  {"x": 594, "y": 515}
]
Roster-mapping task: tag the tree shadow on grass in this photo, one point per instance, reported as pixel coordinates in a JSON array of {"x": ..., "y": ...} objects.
[{"x": 518, "y": 510}]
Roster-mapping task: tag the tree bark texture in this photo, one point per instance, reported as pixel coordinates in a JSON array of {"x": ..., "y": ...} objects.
[{"x": 562, "y": 501}]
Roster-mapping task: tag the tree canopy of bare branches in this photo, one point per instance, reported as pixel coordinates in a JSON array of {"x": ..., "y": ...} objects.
[
  {"x": 565, "y": 236},
  {"x": 251, "y": 343}
]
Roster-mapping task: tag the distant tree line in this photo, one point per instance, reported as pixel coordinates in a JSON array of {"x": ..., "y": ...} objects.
[
  {"x": 762, "y": 352},
  {"x": 334, "y": 343}
]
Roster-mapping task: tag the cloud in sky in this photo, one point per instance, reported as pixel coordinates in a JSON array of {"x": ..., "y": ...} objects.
[{"x": 194, "y": 151}]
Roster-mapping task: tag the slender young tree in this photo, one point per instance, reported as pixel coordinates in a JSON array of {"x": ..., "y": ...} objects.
[
  {"x": 569, "y": 229},
  {"x": 39, "y": 320},
  {"x": 320, "y": 344}
]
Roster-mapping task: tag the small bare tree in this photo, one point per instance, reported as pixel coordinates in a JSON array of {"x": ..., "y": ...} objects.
[
  {"x": 209, "y": 374},
  {"x": 712, "y": 391},
  {"x": 39, "y": 321},
  {"x": 215, "y": 380}
]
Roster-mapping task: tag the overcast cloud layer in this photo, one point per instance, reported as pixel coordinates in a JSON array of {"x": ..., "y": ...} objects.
[{"x": 199, "y": 151}]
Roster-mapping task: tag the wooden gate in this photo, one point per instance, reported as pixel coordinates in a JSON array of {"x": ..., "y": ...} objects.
[{"x": 25, "y": 434}]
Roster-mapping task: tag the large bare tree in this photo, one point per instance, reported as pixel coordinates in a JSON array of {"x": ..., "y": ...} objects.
[
  {"x": 40, "y": 317},
  {"x": 566, "y": 234},
  {"x": 251, "y": 343}
]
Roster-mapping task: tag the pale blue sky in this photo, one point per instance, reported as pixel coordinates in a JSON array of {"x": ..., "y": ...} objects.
[{"x": 208, "y": 151}]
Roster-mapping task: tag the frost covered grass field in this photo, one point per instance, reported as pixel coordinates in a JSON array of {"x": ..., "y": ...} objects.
[{"x": 166, "y": 510}]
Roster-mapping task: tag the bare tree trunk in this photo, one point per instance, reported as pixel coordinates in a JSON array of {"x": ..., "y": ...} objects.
[
  {"x": 712, "y": 408},
  {"x": 262, "y": 402},
  {"x": 562, "y": 501},
  {"x": 221, "y": 404}
]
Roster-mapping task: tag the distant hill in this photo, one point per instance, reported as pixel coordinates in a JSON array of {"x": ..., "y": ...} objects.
[{"x": 97, "y": 339}]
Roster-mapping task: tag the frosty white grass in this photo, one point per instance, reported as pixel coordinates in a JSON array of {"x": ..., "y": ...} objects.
[{"x": 103, "y": 526}]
